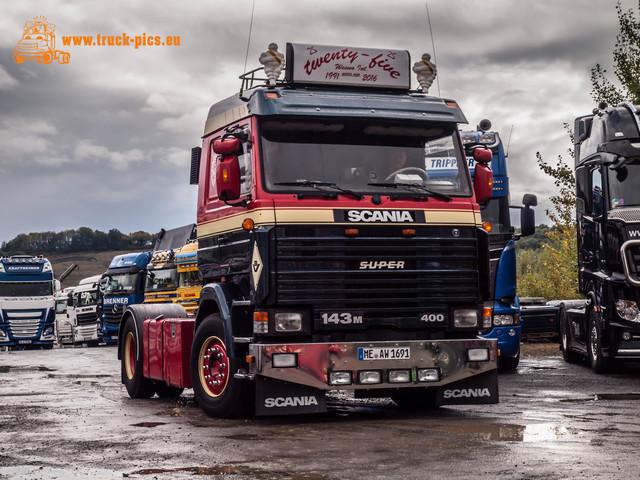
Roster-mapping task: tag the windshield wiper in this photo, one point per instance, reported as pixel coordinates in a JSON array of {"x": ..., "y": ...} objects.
[
  {"x": 317, "y": 184},
  {"x": 409, "y": 186}
]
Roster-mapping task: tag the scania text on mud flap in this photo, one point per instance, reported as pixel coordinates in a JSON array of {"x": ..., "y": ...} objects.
[
  {"x": 330, "y": 259},
  {"x": 605, "y": 327},
  {"x": 27, "y": 302},
  {"x": 504, "y": 308}
]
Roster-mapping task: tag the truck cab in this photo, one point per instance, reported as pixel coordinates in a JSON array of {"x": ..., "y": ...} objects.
[
  {"x": 496, "y": 216},
  {"x": 189, "y": 284},
  {"x": 27, "y": 305},
  {"x": 83, "y": 312},
  {"x": 330, "y": 260},
  {"x": 605, "y": 327},
  {"x": 125, "y": 280}
]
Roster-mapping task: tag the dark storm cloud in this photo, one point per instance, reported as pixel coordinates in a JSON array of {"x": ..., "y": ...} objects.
[{"x": 104, "y": 141}]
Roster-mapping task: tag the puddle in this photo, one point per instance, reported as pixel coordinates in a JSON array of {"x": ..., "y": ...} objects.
[
  {"x": 87, "y": 383},
  {"x": 148, "y": 424},
  {"x": 229, "y": 470},
  {"x": 22, "y": 394},
  {"x": 617, "y": 396},
  {"x": 513, "y": 433},
  {"x": 28, "y": 368}
]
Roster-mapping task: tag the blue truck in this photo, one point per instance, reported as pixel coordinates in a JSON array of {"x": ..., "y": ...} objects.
[
  {"x": 505, "y": 308},
  {"x": 27, "y": 302},
  {"x": 123, "y": 286}
]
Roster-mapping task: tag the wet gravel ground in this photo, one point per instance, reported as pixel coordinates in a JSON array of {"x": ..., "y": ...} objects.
[{"x": 65, "y": 415}]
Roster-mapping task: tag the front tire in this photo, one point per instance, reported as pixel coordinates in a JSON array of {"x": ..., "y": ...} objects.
[
  {"x": 215, "y": 389},
  {"x": 565, "y": 338},
  {"x": 597, "y": 361},
  {"x": 509, "y": 364},
  {"x": 131, "y": 365}
]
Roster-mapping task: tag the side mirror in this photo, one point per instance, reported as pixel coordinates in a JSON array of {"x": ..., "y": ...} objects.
[
  {"x": 228, "y": 178},
  {"x": 228, "y": 146},
  {"x": 527, "y": 221},
  {"x": 482, "y": 155},
  {"x": 529, "y": 200},
  {"x": 483, "y": 182}
]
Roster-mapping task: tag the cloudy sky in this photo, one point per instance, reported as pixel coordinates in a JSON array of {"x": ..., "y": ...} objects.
[{"x": 104, "y": 141}]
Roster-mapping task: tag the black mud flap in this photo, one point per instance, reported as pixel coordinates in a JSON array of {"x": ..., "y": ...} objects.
[
  {"x": 479, "y": 389},
  {"x": 275, "y": 397}
]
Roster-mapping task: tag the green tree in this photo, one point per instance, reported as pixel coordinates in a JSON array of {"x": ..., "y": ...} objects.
[
  {"x": 626, "y": 59},
  {"x": 554, "y": 273}
]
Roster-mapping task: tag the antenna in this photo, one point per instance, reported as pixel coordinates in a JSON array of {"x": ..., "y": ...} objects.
[
  {"x": 253, "y": 7},
  {"x": 433, "y": 45},
  {"x": 506, "y": 154}
]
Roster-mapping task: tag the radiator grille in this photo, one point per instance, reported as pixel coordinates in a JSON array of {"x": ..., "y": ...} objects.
[
  {"x": 379, "y": 272},
  {"x": 24, "y": 323}
]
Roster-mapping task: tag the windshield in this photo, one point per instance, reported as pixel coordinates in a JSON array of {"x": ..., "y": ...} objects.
[
  {"x": 159, "y": 280},
  {"x": 623, "y": 186},
  {"x": 357, "y": 154},
  {"x": 25, "y": 289},
  {"x": 123, "y": 282},
  {"x": 61, "y": 306},
  {"x": 189, "y": 279},
  {"x": 85, "y": 299}
]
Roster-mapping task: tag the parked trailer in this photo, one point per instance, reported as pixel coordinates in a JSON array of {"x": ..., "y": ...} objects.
[{"x": 328, "y": 265}]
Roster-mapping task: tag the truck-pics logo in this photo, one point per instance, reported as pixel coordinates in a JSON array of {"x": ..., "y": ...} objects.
[{"x": 38, "y": 43}]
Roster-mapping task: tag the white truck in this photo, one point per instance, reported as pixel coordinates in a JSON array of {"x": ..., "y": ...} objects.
[
  {"x": 82, "y": 310},
  {"x": 64, "y": 325}
]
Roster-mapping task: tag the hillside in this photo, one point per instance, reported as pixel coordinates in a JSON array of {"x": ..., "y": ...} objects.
[{"x": 89, "y": 264}]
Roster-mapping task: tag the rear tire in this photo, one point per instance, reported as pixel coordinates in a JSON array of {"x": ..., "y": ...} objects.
[
  {"x": 131, "y": 365},
  {"x": 216, "y": 390},
  {"x": 415, "y": 398}
]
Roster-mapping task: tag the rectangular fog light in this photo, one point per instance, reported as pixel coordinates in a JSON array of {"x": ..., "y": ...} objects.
[
  {"x": 368, "y": 377},
  {"x": 428, "y": 375},
  {"x": 284, "y": 360},
  {"x": 339, "y": 378},
  {"x": 478, "y": 354},
  {"x": 399, "y": 376}
]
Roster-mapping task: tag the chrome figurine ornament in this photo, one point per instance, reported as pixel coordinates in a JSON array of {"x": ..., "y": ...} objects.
[
  {"x": 273, "y": 62},
  {"x": 425, "y": 71}
]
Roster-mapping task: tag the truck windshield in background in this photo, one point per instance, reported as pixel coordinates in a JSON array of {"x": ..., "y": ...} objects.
[
  {"x": 161, "y": 280},
  {"x": 26, "y": 289},
  {"x": 360, "y": 156},
  {"x": 123, "y": 282}
]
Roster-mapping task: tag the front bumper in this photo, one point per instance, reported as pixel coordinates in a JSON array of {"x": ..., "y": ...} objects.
[
  {"x": 315, "y": 362},
  {"x": 508, "y": 339}
]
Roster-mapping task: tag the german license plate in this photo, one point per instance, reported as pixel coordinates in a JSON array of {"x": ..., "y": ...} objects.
[
  {"x": 114, "y": 337},
  {"x": 24, "y": 342},
  {"x": 384, "y": 353}
]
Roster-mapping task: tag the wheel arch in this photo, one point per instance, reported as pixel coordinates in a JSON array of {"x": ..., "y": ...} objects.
[{"x": 218, "y": 298}]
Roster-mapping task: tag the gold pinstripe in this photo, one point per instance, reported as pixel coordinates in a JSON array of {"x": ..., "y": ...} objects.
[{"x": 310, "y": 216}]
